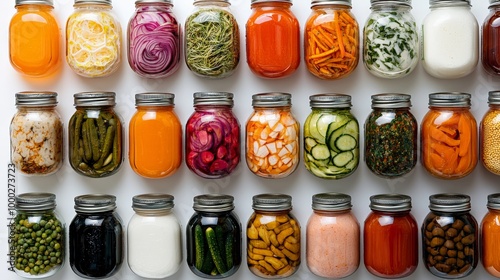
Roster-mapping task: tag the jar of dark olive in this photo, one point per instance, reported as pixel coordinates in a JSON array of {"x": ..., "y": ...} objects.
[
  {"x": 391, "y": 136},
  {"x": 390, "y": 237},
  {"x": 450, "y": 237},
  {"x": 213, "y": 237},
  {"x": 96, "y": 237},
  {"x": 331, "y": 137},
  {"x": 449, "y": 136},
  {"x": 38, "y": 239},
  {"x": 95, "y": 135},
  {"x": 273, "y": 237}
]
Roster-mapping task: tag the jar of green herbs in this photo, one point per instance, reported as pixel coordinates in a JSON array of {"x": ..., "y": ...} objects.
[{"x": 212, "y": 39}]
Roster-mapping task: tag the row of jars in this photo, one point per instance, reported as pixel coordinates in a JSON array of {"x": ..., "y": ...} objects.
[
  {"x": 450, "y": 237},
  {"x": 391, "y": 48},
  {"x": 212, "y": 136}
]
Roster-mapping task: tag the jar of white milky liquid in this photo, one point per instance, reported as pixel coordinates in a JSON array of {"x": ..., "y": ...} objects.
[
  {"x": 450, "y": 36},
  {"x": 154, "y": 237}
]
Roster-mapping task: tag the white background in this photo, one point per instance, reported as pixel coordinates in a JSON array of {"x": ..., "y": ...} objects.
[{"x": 184, "y": 185}]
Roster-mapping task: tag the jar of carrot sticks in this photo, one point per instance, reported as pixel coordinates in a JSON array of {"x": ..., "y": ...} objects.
[
  {"x": 331, "y": 39},
  {"x": 490, "y": 233},
  {"x": 273, "y": 39},
  {"x": 449, "y": 136},
  {"x": 155, "y": 136},
  {"x": 272, "y": 136},
  {"x": 489, "y": 134}
]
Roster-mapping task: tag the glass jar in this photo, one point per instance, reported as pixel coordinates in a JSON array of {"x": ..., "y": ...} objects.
[
  {"x": 213, "y": 54},
  {"x": 273, "y": 39},
  {"x": 155, "y": 136},
  {"x": 332, "y": 236},
  {"x": 96, "y": 237},
  {"x": 213, "y": 136},
  {"x": 391, "y": 136},
  {"x": 390, "y": 39},
  {"x": 450, "y": 237},
  {"x": 326, "y": 56},
  {"x": 390, "y": 237},
  {"x": 272, "y": 136},
  {"x": 489, "y": 144},
  {"x": 490, "y": 234},
  {"x": 213, "y": 237},
  {"x": 34, "y": 38},
  {"x": 450, "y": 39},
  {"x": 331, "y": 137},
  {"x": 491, "y": 36},
  {"x": 154, "y": 39},
  {"x": 154, "y": 242},
  {"x": 449, "y": 136},
  {"x": 95, "y": 135},
  {"x": 273, "y": 237},
  {"x": 36, "y": 134},
  {"x": 93, "y": 39},
  {"x": 38, "y": 238}
]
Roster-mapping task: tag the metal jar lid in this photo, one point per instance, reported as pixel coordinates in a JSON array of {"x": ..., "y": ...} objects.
[
  {"x": 391, "y": 2},
  {"x": 213, "y": 1},
  {"x": 272, "y": 202},
  {"x": 153, "y": 201},
  {"x": 391, "y": 101},
  {"x": 263, "y": 1},
  {"x": 153, "y": 1},
  {"x": 35, "y": 2},
  {"x": 446, "y": 202},
  {"x": 36, "y": 201},
  {"x": 95, "y": 203},
  {"x": 493, "y": 201},
  {"x": 213, "y": 203},
  {"x": 331, "y": 2},
  {"x": 449, "y": 99},
  {"x": 213, "y": 98},
  {"x": 271, "y": 99},
  {"x": 98, "y": 2},
  {"x": 331, "y": 202},
  {"x": 36, "y": 98},
  {"x": 154, "y": 99},
  {"x": 390, "y": 202},
  {"x": 443, "y": 3},
  {"x": 494, "y": 97},
  {"x": 330, "y": 100},
  {"x": 91, "y": 99},
  {"x": 494, "y": 3}
]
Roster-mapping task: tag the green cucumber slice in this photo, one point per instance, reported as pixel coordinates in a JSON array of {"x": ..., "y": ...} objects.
[
  {"x": 313, "y": 129},
  {"x": 345, "y": 142},
  {"x": 320, "y": 152},
  {"x": 309, "y": 143},
  {"x": 324, "y": 122},
  {"x": 342, "y": 159}
]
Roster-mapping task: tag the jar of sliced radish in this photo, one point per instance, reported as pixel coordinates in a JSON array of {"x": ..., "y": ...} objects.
[{"x": 272, "y": 136}]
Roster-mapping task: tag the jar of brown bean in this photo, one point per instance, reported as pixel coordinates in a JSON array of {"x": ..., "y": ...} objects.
[
  {"x": 450, "y": 237},
  {"x": 490, "y": 134}
]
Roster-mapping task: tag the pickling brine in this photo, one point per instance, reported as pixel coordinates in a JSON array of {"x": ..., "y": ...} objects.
[{"x": 490, "y": 40}]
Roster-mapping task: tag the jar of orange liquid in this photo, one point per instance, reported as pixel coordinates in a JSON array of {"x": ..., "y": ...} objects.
[
  {"x": 34, "y": 38},
  {"x": 155, "y": 136},
  {"x": 490, "y": 232}
]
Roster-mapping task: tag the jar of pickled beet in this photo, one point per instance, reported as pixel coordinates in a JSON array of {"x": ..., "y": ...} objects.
[
  {"x": 491, "y": 36},
  {"x": 332, "y": 236},
  {"x": 154, "y": 39},
  {"x": 273, "y": 237},
  {"x": 390, "y": 39},
  {"x": 489, "y": 144},
  {"x": 450, "y": 39},
  {"x": 212, "y": 44},
  {"x": 331, "y": 137},
  {"x": 390, "y": 237},
  {"x": 449, "y": 136},
  {"x": 95, "y": 135},
  {"x": 272, "y": 136},
  {"x": 34, "y": 38},
  {"x": 490, "y": 234},
  {"x": 450, "y": 237},
  {"x": 155, "y": 136},
  {"x": 273, "y": 39},
  {"x": 213, "y": 237},
  {"x": 331, "y": 39},
  {"x": 96, "y": 237},
  {"x": 212, "y": 136},
  {"x": 93, "y": 39},
  {"x": 36, "y": 134},
  {"x": 391, "y": 136}
]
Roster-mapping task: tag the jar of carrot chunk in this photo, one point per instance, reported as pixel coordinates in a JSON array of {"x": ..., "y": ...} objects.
[
  {"x": 490, "y": 233},
  {"x": 212, "y": 136},
  {"x": 34, "y": 38},
  {"x": 331, "y": 39},
  {"x": 449, "y": 136},
  {"x": 489, "y": 134},
  {"x": 155, "y": 136},
  {"x": 272, "y": 136},
  {"x": 273, "y": 39}
]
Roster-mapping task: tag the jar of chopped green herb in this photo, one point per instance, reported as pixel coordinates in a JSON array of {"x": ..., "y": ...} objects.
[
  {"x": 391, "y": 136},
  {"x": 212, "y": 43}
]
